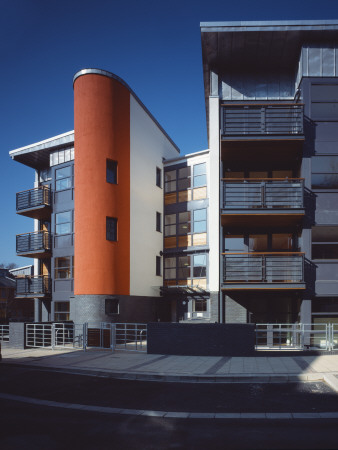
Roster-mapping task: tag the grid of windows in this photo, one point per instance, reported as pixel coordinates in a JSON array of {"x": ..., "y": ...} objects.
[
  {"x": 180, "y": 223},
  {"x": 185, "y": 267},
  {"x": 61, "y": 156},
  {"x": 64, "y": 222},
  {"x": 324, "y": 242},
  {"x": 63, "y": 178},
  {"x": 111, "y": 171},
  {"x": 111, "y": 228}
]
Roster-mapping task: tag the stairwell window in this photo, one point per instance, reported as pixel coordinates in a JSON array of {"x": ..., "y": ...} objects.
[
  {"x": 63, "y": 178},
  {"x": 158, "y": 177},
  {"x": 111, "y": 171},
  {"x": 158, "y": 221},
  {"x": 111, "y": 229},
  {"x": 158, "y": 266}
]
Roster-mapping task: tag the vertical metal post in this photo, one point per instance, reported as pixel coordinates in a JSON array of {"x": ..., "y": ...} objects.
[
  {"x": 84, "y": 331},
  {"x": 112, "y": 337},
  {"x": 53, "y": 335}
]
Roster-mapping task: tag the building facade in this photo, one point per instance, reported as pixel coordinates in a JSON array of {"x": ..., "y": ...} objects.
[
  {"x": 127, "y": 230},
  {"x": 271, "y": 92}
]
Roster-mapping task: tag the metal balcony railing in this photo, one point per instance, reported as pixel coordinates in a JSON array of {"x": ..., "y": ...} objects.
[
  {"x": 263, "y": 267},
  {"x": 37, "y": 241},
  {"x": 263, "y": 194},
  {"x": 262, "y": 119},
  {"x": 39, "y": 285},
  {"x": 33, "y": 198}
]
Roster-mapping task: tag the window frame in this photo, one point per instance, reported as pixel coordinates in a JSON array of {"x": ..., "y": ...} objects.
[
  {"x": 159, "y": 177},
  {"x": 71, "y": 222},
  {"x": 158, "y": 266},
  {"x": 111, "y": 171}
]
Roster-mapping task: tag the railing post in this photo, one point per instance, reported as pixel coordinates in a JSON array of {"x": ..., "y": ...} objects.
[{"x": 263, "y": 119}]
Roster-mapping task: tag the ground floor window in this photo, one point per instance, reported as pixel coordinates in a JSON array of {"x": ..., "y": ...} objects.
[
  {"x": 61, "y": 311},
  {"x": 200, "y": 305}
]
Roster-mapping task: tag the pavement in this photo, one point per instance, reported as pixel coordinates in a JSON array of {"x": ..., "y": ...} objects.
[
  {"x": 170, "y": 368},
  {"x": 207, "y": 369}
]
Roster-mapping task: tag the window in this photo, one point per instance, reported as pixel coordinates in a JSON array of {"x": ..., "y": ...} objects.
[
  {"x": 45, "y": 175},
  {"x": 111, "y": 171},
  {"x": 184, "y": 180},
  {"x": 170, "y": 181},
  {"x": 63, "y": 178},
  {"x": 158, "y": 266},
  {"x": 112, "y": 306},
  {"x": 64, "y": 267},
  {"x": 158, "y": 222},
  {"x": 200, "y": 175},
  {"x": 170, "y": 225},
  {"x": 324, "y": 101},
  {"x": 170, "y": 268},
  {"x": 324, "y": 172},
  {"x": 200, "y": 220},
  {"x": 325, "y": 242},
  {"x": 61, "y": 311},
  {"x": 200, "y": 305},
  {"x": 200, "y": 266},
  {"x": 258, "y": 242},
  {"x": 183, "y": 271},
  {"x": 61, "y": 156},
  {"x": 111, "y": 229},
  {"x": 64, "y": 222},
  {"x": 184, "y": 225},
  {"x": 158, "y": 177},
  {"x": 234, "y": 243}
]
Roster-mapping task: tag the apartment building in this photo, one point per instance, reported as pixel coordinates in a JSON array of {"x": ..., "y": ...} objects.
[
  {"x": 97, "y": 208},
  {"x": 128, "y": 230},
  {"x": 271, "y": 93}
]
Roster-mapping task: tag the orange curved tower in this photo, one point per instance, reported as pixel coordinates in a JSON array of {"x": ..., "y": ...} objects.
[{"x": 102, "y": 132}]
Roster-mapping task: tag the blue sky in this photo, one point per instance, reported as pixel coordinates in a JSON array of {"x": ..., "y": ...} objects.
[{"x": 153, "y": 45}]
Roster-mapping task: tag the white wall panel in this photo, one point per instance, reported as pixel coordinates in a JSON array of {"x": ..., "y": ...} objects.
[{"x": 148, "y": 147}]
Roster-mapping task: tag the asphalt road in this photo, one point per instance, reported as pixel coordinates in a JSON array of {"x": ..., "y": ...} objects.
[{"x": 39, "y": 427}]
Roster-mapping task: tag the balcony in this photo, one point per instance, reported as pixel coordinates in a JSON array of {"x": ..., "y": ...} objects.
[
  {"x": 263, "y": 271},
  {"x": 34, "y": 203},
  {"x": 263, "y": 121},
  {"x": 35, "y": 286},
  {"x": 263, "y": 201},
  {"x": 34, "y": 245}
]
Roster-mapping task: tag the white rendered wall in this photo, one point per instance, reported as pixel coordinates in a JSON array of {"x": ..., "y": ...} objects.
[
  {"x": 214, "y": 181},
  {"x": 148, "y": 147}
]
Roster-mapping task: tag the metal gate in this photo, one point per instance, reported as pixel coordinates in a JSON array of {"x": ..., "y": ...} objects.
[
  {"x": 54, "y": 335},
  {"x": 130, "y": 337},
  {"x": 315, "y": 336}
]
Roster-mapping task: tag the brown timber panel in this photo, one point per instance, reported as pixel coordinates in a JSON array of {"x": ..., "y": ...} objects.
[
  {"x": 184, "y": 196},
  {"x": 184, "y": 241},
  {"x": 200, "y": 239},
  {"x": 170, "y": 242},
  {"x": 200, "y": 193},
  {"x": 170, "y": 198}
]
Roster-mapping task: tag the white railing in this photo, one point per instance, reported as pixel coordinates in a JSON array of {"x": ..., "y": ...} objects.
[
  {"x": 4, "y": 333},
  {"x": 131, "y": 337}
]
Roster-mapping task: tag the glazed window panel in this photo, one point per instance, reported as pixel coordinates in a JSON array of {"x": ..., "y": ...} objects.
[
  {"x": 158, "y": 177},
  {"x": 183, "y": 271},
  {"x": 170, "y": 225},
  {"x": 184, "y": 180},
  {"x": 324, "y": 242},
  {"x": 63, "y": 178},
  {"x": 184, "y": 222},
  {"x": 170, "y": 268},
  {"x": 234, "y": 243},
  {"x": 111, "y": 171},
  {"x": 63, "y": 267},
  {"x": 200, "y": 177},
  {"x": 64, "y": 222},
  {"x": 200, "y": 220},
  {"x": 200, "y": 305},
  {"x": 200, "y": 266},
  {"x": 170, "y": 181},
  {"x": 61, "y": 311}
]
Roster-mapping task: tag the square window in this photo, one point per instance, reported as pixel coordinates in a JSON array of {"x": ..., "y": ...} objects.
[
  {"x": 111, "y": 171},
  {"x": 111, "y": 229},
  {"x": 158, "y": 221},
  {"x": 112, "y": 306},
  {"x": 158, "y": 177}
]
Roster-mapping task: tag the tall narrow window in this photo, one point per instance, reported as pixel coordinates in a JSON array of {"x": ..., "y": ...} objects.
[
  {"x": 158, "y": 266},
  {"x": 111, "y": 229},
  {"x": 111, "y": 172},
  {"x": 61, "y": 311},
  {"x": 63, "y": 267},
  {"x": 200, "y": 220},
  {"x": 158, "y": 177},
  {"x": 158, "y": 221},
  {"x": 200, "y": 175},
  {"x": 170, "y": 181}
]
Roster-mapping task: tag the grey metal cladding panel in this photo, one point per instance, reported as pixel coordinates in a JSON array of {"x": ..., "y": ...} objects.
[
  {"x": 326, "y": 147},
  {"x": 326, "y": 288},
  {"x": 327, "y": 131},
  {"x": 327, "y": 271}
]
